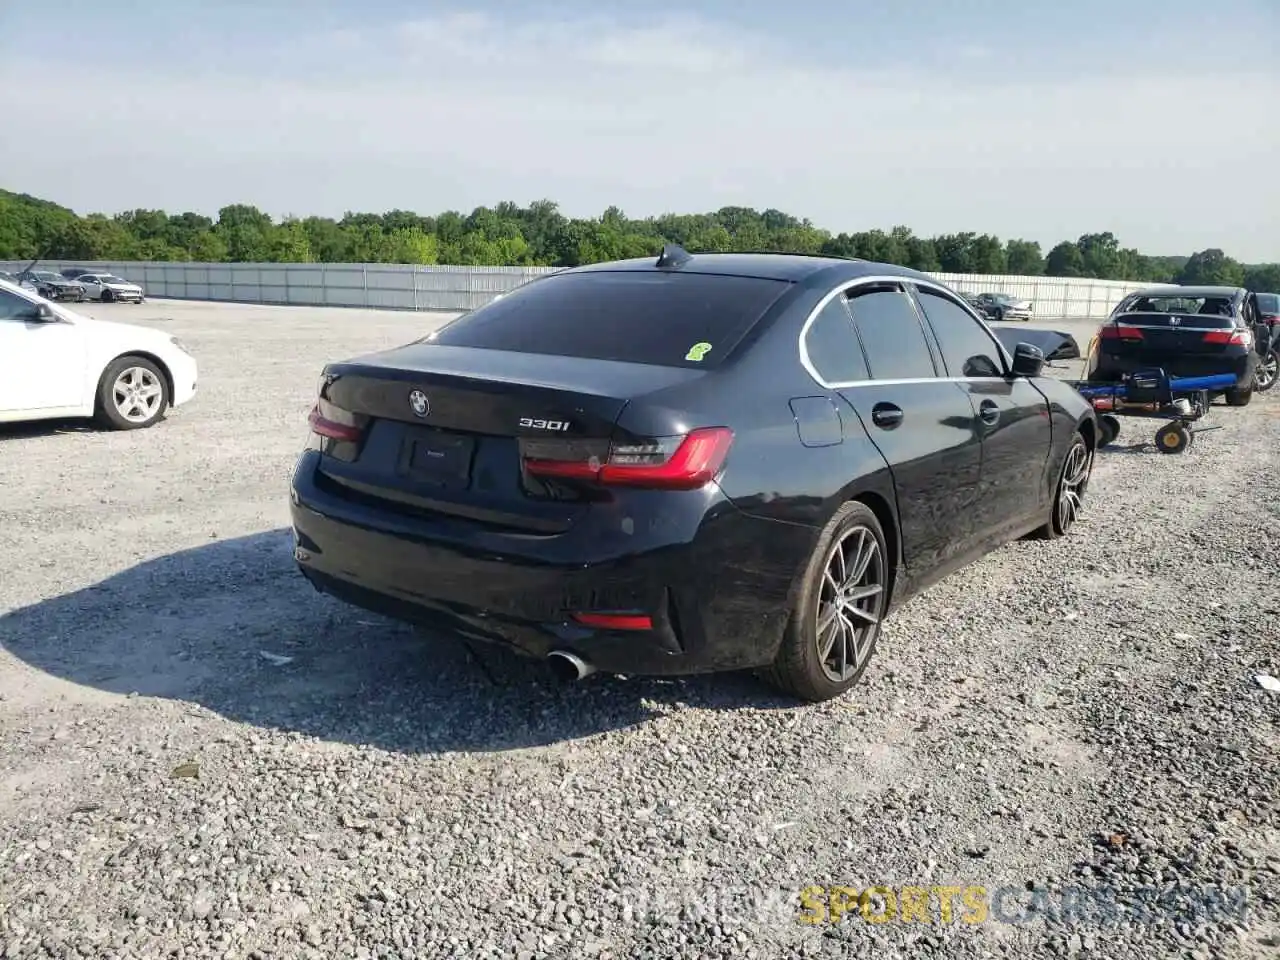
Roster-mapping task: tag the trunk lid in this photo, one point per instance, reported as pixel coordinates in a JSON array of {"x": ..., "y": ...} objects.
[{"x": 446, "y": 430}]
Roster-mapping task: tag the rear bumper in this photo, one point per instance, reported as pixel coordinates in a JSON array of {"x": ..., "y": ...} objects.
[
  {"x": 1107, "y": 367},
  {"x": 718, "y": 600}
]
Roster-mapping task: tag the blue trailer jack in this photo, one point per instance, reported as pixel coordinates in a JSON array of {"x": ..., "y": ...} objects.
[{"x": 1154, "y": 395}]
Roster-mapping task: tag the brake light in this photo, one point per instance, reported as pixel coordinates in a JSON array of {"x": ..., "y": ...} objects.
[
  {"x": 325, "y": 427},
  {"x": 614, "y": 621},
  {"x": 1238, "y": 338},
  {"x": 1114, "y": 332},
  {"x": 666, "y": 463}
]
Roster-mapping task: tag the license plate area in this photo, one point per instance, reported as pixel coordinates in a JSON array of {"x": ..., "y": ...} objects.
[{"x": 436, "y": 459}]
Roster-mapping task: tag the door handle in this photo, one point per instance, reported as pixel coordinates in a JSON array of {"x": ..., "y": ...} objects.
[
  {"x": 887, "y": 416},
  {"x": 989, "y": 412}
]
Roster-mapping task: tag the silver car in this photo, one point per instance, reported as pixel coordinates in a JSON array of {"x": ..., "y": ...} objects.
[
  {"x": 108, "y": 287},
  {"x": 1001, "y": 306}
]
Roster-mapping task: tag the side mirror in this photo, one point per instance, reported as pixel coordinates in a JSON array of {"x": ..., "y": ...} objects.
[
  {"x": 1028, "y": 361},
  {"x": 42, "y": 313}
]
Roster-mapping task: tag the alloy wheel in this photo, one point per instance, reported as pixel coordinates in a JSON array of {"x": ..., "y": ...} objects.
[
  {"x": 1075, "y": 477},
  {"x": 137, "y": 394},
  {"x": 1267, "y": 372},
  {"x": 850, "y": 603}
]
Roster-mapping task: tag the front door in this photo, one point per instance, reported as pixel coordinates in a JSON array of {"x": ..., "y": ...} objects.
[
  {"x": 1013, "y": 418},
  {"x": 42, "y": 362}
]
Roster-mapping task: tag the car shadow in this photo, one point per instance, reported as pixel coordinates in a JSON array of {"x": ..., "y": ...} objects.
[
  {"x": 45, "y": 428},
  {"x": 1142, "y": 446},
  {"x": 233, "y": 626}
]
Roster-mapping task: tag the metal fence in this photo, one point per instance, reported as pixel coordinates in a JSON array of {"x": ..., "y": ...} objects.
[
  {"x": 1070, "y": 297},
  {"x": 409, "y": 287}
]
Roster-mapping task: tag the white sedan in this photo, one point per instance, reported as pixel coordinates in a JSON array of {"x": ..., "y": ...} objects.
[
  {"x": 108, "y": 287},
  {"x": 56, "y": 363}
]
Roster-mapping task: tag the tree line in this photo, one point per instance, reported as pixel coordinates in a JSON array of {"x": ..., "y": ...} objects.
[{"x": 540, "y": 235}]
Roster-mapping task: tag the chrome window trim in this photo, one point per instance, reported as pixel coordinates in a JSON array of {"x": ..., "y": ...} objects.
[{"x": 843, "y": 290}]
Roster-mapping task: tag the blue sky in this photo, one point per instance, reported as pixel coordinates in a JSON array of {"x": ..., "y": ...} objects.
[{"x": 1156, "y": 119}]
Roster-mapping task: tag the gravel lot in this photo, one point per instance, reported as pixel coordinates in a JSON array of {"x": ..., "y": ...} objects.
[{"x": 1059, "y": 718}]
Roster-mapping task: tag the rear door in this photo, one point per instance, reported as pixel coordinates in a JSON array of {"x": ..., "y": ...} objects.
[
  {"x": 923, "y": 425},
  {"x": 1013, "y": 417}
]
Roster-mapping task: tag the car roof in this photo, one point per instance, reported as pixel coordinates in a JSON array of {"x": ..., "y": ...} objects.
[{"x": 793, "y": 267}]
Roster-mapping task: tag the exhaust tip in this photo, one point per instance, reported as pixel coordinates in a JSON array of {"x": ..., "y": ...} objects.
[{"x": 569, "y": 666}]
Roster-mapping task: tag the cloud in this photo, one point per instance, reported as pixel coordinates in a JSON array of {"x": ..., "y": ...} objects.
[
  {"x": 679, "y": 113},
  {"x": 680, "y": 44}
]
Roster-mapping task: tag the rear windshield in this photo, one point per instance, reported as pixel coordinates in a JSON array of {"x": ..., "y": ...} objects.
[
  {"x": 1211, "y": 312},
  {"x": 1269, "y": 303},
  {"x": 669, "y": 319}
]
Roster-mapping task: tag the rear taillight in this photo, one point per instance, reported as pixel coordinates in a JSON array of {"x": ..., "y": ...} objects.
[
  {"x": 323, "y": 426},
  {"x": 666, "y": 463},
  {"x": 1116, "y": 332},
  {"x": 331, "y": 421},
  {"x": 1238, "y": 338}
]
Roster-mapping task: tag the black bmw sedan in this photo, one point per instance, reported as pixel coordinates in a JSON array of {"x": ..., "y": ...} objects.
[{"x": 688, "y": 464}]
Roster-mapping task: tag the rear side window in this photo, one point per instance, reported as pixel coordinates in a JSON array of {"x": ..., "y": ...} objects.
[
  {"x": 891, "y": 335},
  {"x": 669, "y": 319},
  {"x": 1201, "y": 313},
  {"x": 832, "y": 346},
  {"x": 967, "y": 349}
]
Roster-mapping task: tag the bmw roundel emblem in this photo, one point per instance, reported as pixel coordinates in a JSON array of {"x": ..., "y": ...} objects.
[{"x": 419, "y": 403}]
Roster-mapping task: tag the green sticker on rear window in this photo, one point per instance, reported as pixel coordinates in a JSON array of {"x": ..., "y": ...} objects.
[{"x": 698, "y": 351}]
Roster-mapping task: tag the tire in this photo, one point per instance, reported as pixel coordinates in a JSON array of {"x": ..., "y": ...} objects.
[
  {"x": 1239, "y": 398},
  {"x": 1108, "y": 428},
  {"x": 1000, "y": 315},
  {"x": 853, "y": 537},
  {"x": 121, "y": 405},
  {"x": 1173, "y": 438},
  {"x": 1268, "y": 372},
  {"x": 1069, "y": 491},
  {"x": 106, "y": 296}
]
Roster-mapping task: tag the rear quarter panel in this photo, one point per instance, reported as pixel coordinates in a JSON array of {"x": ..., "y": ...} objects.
[{"x": 789, "y": 487}]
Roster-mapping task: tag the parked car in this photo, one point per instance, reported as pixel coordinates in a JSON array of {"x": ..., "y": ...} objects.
[
  {"x": 1186, "y": 331},
  {"x": 693, "y": 464},
  {"x": 1268, "y": 306},
  {"x": 51, "y": 286},
  {"x": 55, "y": 363},
  {"x": 108, "y": 287},
  {"x": 1001, "y": 306},
  {"x": 1267, "y": 336}
]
